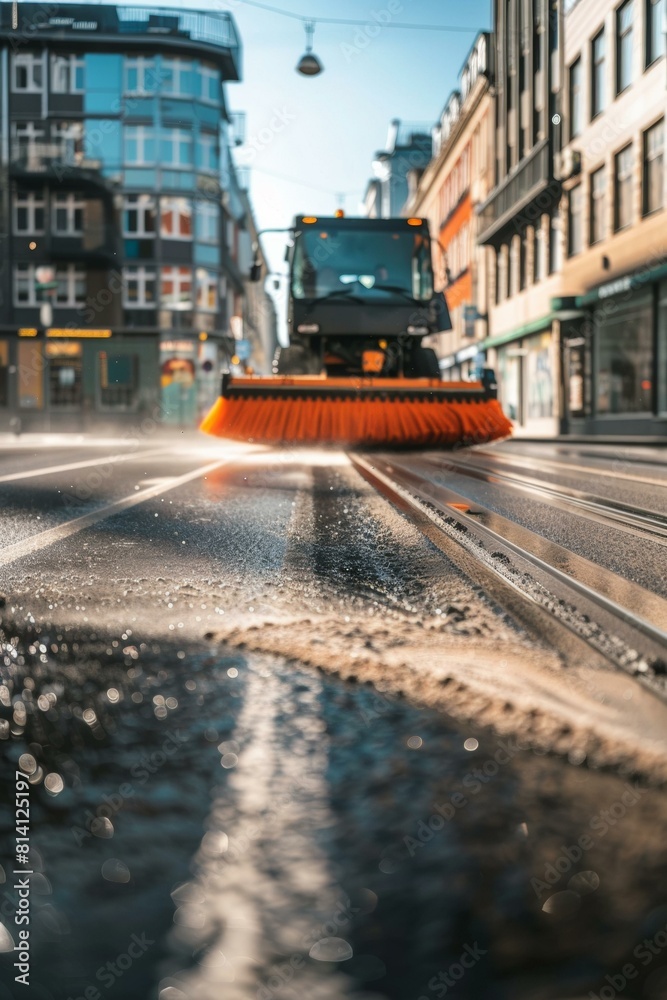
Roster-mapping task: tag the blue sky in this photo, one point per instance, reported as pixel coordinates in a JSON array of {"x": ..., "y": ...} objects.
[{"x": 329, "y": 127}]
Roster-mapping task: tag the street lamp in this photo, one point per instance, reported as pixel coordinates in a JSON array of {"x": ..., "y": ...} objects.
[{"x": 309, "y": 64}]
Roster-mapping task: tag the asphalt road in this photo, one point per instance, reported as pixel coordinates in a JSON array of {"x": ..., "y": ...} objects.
[{"x": 279, "y": 746}]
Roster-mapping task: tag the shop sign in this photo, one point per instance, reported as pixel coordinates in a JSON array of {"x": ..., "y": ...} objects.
[{"x": 615, "y": 287}]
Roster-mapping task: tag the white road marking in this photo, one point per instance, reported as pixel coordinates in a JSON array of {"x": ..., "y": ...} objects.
[
  {"x": 51, "y": 469},
  {"x": 61, "y": 531}
]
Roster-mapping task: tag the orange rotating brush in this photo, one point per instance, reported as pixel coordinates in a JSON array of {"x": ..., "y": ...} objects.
[{"x": 356, "y": 412}]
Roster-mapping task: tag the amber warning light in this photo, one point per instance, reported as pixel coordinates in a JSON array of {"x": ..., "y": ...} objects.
[
  {"x": 309, "y": 219},
  {"x": 414, "y": 222}
]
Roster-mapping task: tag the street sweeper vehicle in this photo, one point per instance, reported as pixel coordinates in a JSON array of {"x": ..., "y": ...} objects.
[{"x": 356, "y": 372}]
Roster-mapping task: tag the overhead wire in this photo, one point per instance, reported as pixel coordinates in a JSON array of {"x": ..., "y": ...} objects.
[{"x": 308, "y": 19}]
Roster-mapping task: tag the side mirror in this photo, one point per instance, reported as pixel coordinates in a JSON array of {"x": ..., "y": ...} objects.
[{"x": 256, "y": 272}]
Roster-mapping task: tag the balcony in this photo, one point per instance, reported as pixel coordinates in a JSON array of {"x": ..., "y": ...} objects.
[
  {"x": 517, "y": 195},
  {"x": 217, "y": 29},
  {"x": 57, "y": 161}
]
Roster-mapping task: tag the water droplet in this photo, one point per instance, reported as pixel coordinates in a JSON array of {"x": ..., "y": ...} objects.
[
  {"x": 584, "y": 883},
  {"x": 114, "y": 870},
  {"x": 232, "y": 672},
  {"x": 27, "y": 763},
  {"x": 6, "y": 940},
  {"x": 102, "y": 827},
  {"x": 414, "y": 742},
  {"x": 53, "y": 783},
  {"x": 229, "y": 760},
  {"x": 562, "y": 904},
  {"x": 331, "y": 949},
  {"x": 89, "y": 716},
  {"x": 113, "y": 695},
  {"x": 471, "y": 743}
]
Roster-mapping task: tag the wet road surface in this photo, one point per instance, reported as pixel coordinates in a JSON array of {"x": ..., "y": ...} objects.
[{"x": 280, "y": 747}]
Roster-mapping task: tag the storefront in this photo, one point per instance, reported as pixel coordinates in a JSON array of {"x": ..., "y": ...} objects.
[{"x": 615, "y": 358}]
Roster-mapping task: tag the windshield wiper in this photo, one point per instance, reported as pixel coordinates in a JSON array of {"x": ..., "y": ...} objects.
[
  {"x": 399, "y": 291},
  {"x": 333, "y": 295}
]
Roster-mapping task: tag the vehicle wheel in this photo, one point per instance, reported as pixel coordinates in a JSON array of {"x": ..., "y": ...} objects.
[
  {"x": 422, "y": 362},
  {"x": 295, "y": 360}
]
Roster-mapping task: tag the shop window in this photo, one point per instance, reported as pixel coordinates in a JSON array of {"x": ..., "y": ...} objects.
[
  {"x": 575, "y": 226},
  {"x": 625, "y": 356},
  {"x": 623, "y": 188},
  {"x": 624, "y": 19},
  {"x": 30, "y": 375},
  {"x": 655, "y": 30},
  {"x": 118, "y": 380},
  {"x": 540, "y": 377},
  {"x": 598, "y": 208},
  {"x": 653, "y": 179},
  {"x": 65, "y": 375},
  {"x": 598, "y": 70}
]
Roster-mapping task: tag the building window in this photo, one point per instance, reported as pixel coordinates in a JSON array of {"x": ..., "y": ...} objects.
[
  {"x": 539, "y": 253},
  {"x": 67, "y": 215},
  {"x": 139, "y": 145},
  {"x": 67, "y": 75},
  {"x": 29, "y": 213},
  {"x": 139, "y": 216},
  {"x": 207, "y": 221},
  {"x": 207, "y": 152},
  {"x": 626, "y": 361},
  {"x": 118, "y": 380},
  {"x": 28, "y": 145},
  {"x": 176, "y": 148},
  {"x": 598, "y": 206},
  {"x": 653, "y": 180},
  {"x": 140, "y": 76},
  {"x": 207, "y": 290},
  {"x": 176, "y": 218},
  {"x": 623, "y": 188},
  {"x": 523, "y": 259},
  {"x": 176, "y": 288},
  {"x": 25, "y": 285},
  {"x": 555, "y": 243},
  {"x": 71, "y": 286},
  {"x": 209, "y": 79},
  {"x": 575, "y": 229},
  {"x": 68, "y": 141},
  {"x": 598, "y": 89},
  {"x": 177, "y": 77},
  {"x": 139, "y": 288},
  {"x": 501, "y": 274},
  {"x": 576, "y": 99},
  {"x": 655, "y": 30},
  {"x": 624, "y": 16},
  {"x": 28, "y": 73}
]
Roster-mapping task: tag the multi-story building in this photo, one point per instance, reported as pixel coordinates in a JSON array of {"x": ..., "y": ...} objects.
[
  {"x": 409, "y": 148},
  {"x": 453, "y": 185},
  {"x": 119, "y": 283},
  {"x": 614, "y": 210},
  {"x": 520, "y": 220}
]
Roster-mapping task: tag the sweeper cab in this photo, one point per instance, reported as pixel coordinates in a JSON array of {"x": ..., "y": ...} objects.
[{"x": 361, "y": 301}]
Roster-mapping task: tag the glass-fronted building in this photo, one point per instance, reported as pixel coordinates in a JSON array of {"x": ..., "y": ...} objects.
[{"x": 120, "y": 278}]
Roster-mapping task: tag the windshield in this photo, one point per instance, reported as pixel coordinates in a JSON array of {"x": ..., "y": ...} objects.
[{"x": 373, "y": 266}]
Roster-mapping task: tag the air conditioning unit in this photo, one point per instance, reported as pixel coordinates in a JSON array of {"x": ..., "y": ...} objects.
[{"x": 570, "y": 163}]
